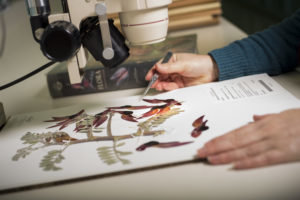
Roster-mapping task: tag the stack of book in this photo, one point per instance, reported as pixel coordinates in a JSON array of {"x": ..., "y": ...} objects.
[{"x": 184, "y": 14}]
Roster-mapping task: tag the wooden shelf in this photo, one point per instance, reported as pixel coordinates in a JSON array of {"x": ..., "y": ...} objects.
[{"x": 185, "y": 14}]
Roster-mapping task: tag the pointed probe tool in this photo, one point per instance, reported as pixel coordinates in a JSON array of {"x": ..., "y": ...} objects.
[{"x": 155, "y": 75}]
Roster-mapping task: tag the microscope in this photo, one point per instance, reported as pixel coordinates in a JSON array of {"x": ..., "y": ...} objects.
[{"x": 84, "y": 27}]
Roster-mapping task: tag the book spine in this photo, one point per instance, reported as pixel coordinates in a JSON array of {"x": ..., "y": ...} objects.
[{"x": 100, "y": 79}]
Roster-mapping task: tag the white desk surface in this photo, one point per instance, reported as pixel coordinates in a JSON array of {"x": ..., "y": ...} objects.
[{"x": 190, "y": 181}]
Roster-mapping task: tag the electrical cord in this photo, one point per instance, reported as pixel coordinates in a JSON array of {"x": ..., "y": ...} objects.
[
  {"x": 3, "y": 38},
  {"x": 27, "y": 75},
  {"x": 3, "y": 6}
]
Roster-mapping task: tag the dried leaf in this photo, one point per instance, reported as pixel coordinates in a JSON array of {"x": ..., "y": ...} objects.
[
  {"x": 120, "y": 144},
  {"x": 56, "y": 119},
  {"x": 164, "y": 110},
  {"x": 62, "y": 136},
  {"x": 22, "y": 153},
  {"x": 128, "y": 118},
  {"x": 198, "y": 130},
  {"x": 125, "y": 162},
  {"x": 50, "y": 160},
  {"x": 152, "y": 111},
  {"x": 109, "y": 156},
  {"x": 147, "y": 145},
  {"x": 126, "y": 115},
  {"x": 103, "y": 113},
  {"x": 124, "y": 153},
  {"x": 31, "y": 138},
  {"x": 129, "y": 107},
  {"x": 63, "y": 122},
  {"x": 161, "y": 145},
  {"x": 172, "y": 144},
  {"x": 85, "y": 124},
  {"x": 198, "y": 122},
  {"x": 168, "y": 101},
  {"x": 100, "y": 119}
]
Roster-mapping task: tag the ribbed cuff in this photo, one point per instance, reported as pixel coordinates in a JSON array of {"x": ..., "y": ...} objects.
[{"x": 231, "y": 63}]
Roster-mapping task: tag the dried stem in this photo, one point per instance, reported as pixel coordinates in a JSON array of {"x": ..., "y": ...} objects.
[
  {"x": 90, "y": 130},
  {"x": 108, "y": 138},
  {"x": 109, "y": 132}
]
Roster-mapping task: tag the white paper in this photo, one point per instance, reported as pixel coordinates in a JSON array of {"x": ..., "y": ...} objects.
[
  {"x": 226, "y": 105},
  {"x": 243, "y": 88}
]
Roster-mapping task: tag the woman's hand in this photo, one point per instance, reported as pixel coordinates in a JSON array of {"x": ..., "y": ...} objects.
[
  {"x": 184, "y": 69},
  {"x": 270, "y": 139}
]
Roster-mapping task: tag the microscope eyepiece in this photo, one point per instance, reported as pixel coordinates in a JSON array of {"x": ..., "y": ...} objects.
[{"x": 60, "y": 41}]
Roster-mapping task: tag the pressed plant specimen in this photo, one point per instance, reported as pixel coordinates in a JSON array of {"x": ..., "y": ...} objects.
[{"x": 147, "y": 124}]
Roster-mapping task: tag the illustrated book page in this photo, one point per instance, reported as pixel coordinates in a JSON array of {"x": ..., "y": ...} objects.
[{"x": 129, "y": 133}]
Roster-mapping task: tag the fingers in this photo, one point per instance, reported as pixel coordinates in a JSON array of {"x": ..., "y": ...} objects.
[
  {"x": 242, "y": 153},
  {"x": 157, "y": 65},
  {"x": 256, "y": 155},
  {"x": 193, "y": 68},
  {"x": 269, "y": 140},
  {"x": 271, "y": 157},
  {"x": 150, "y": 73},
  {"x": 169, "y": 68},
  {"x": 168, "y": 82},
  {"x": 169, "y": 86},
  {"x": 165, "y": 69},
  {"x": 240, "y": 137},
  {"x": 166, "y": 86},
  {"x": 259, "y": 117}
]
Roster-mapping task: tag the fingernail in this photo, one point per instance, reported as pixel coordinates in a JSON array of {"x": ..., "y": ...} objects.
[
  {"x": 212, "y": 159},
  {"x": 201, "y": 153},
  {"x": 237, "y": 165}
]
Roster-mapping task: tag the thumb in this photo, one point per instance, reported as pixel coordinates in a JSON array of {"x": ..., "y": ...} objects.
[{"x": 169, "y": 68}]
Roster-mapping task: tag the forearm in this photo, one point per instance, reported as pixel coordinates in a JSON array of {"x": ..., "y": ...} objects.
[{"x": 273, "y": 51}]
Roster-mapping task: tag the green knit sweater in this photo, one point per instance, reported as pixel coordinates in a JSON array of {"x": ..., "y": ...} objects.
[{"x": 273, "y": 51}]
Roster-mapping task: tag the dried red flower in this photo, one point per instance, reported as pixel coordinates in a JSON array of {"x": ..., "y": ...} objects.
[
  {"x": 200, "y": 126},
  {"x": 161, "y": 145},
  {"x": 64, "y": 121},
  {"x": 168, "y": 101}
]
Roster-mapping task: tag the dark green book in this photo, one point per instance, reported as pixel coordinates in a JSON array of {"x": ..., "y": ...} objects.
[{"x": 130, "y": 74}]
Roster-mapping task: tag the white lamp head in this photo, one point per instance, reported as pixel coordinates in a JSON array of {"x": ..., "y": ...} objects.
[{"x": 145, "y": 26}]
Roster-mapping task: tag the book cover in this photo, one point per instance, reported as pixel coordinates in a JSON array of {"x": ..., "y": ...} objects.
[{"x": 130, "y": 74}]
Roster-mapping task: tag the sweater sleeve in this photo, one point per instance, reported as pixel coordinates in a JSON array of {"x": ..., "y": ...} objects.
[{"x": 273, "y": 51}]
